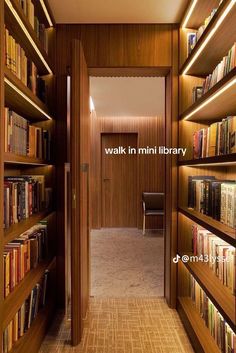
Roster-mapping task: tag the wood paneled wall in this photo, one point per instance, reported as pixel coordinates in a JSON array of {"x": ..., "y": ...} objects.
[
  {"x": 151, "y": 168},
  {"x": 118, "y": 46}
]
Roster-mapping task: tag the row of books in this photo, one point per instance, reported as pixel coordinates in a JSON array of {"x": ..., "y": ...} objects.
[
  {"x": 22, "y": 67},
  {"x": 222, "y": 69},
  {"x": 24, "y": 196},
  {"x": 24, "y": 139},
  {"x": 218, "y": 139},
  {"x": 25, "y": 316},
  {"x": 23, "y": 254},
  {"x": 219, "y": 255},
  {"x": 193, "y": 37},
  {"x": 222, "y": 333},
  {"x": 29, "y": 11},
  {"x": 214, "y": 198}
]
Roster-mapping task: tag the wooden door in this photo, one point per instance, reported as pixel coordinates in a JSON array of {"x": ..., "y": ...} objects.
[
  {"x": 119, "y": 181},
  {"x": 80, "y": 160}
]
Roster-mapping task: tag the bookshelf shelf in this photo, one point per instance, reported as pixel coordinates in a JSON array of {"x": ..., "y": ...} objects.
[
  {"x": 16, "y": 229},
  {"x": 201, "y": 10},
  {"x": 219, "y": 294},
  {"x": 187, "y": 309},
  {"x": 11, "y": 158},
  {"x": 15, "y": 299},
  {"x": 215, "y": 104},
  {"x": 25, "y": 34},
  {"x": 22, "y": 99},
  {"x": 221, "y": 230},
  {"x": 32, "y": 339},
  {"x": 226, "y": 160},
  {"x": 215, "y": 41}
]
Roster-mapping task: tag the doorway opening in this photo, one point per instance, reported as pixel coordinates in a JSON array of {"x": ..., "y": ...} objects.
[{"x": 127, "y": 128}]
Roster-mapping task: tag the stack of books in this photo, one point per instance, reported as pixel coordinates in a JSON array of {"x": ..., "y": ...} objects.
[
  {"x": 193, "y": 37},
  {"x": 214, "y": 198},
  {"x": 25, "y": 316},
  {"x": 218, "y": 139},
  {"x": 22, "y": 67},
  {"x": 28, "y": 9},
  {"x": 218, "y": 327},
  {"x": 222, "y": 69},
  {"x": 219, "y": 255},
  {"x": 24, "y": 196},
  {"x": 24, "y": 139},
  {"x": 23, "y": 254}
]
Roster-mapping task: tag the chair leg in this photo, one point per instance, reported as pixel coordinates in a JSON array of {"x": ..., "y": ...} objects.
[{"x": 144, "y": 224}]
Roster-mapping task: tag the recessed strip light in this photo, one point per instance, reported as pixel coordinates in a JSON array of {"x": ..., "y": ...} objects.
[
  {"x": 209, "y": 164},
  {"x": 9, "y": 4},
  {"x": 210, "y": 99},
  {"x": 210, "y": 35},
  {"x": 189, "y": 13},
  {"x": 45, "y": 10},
  {"x": 9, "y": 83}
]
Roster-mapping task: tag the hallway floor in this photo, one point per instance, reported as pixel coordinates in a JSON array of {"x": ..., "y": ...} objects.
[
  {"x": 126, "y": 325},
  {"x": 127, "y": 311},
  {"x": 124, "y": 263}
]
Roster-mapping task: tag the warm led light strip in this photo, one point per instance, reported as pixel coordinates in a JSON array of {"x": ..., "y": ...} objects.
[
  {"x": 26, "y": 98},
  {"x": 210, "y": 35},
  {"x": 46, "y": 13},
  {"x": 210, "y": 99},
  {"x": 9, "y": 4},
  {"x": 189, "y": 13},
  {"x": 209, "y": 164}
]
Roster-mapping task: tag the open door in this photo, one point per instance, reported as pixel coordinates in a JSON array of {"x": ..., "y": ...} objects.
[{"x": 80, "y": 161}]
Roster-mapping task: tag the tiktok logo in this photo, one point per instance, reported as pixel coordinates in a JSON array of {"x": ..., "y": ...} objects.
[{"x": 176, "y": 259}]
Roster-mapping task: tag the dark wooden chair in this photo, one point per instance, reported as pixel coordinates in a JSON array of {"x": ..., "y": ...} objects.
[{"x": 153, "y": 205}]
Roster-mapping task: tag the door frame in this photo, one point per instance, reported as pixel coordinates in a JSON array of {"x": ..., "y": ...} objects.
[
  {"x": 137, "y": 176},
  {"x": 171, "y": 161}
]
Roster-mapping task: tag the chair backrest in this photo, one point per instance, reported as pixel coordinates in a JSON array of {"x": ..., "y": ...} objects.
[{"x": 153, "y": 200}]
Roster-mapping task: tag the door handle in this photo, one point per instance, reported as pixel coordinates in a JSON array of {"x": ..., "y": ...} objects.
[{"x": 106, "y": 179}]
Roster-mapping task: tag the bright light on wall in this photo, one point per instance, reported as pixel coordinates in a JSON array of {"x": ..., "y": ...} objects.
[{"x": 91, "y": 104}]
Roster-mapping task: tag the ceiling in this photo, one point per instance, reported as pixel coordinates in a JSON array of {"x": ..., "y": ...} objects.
[
  {"x": 128, "y": 96},
  {"x": 121, "y": 11}
]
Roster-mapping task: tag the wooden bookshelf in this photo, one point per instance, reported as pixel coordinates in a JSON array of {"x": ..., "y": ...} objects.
[
  {"x": 22, "y": 99},
  {"x": 16, "y": 229},
  {"x": 227, "y": 160},
  {"x": 200, "y": 12},
  {"x": 219, "y": 294},
  {"x": 20, "y": 293},
  {"x": 215, "y": 105},
  {"x": 32, "y": 339},
  {"x": 13, "y": 158},
  {"x": 223, "y": 105},
  {"x": 19, "y": 98},
  {"x": 189, "y": 313},
  {"x": 17, "y": 22},
  {"x": 217, "y": 46},
  {"x": 217, "y": 228}
]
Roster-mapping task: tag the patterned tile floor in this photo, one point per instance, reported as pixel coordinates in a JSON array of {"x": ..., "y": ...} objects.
[
  {"x": 127, "y": 313},
  {"x": 126, "y": 325}
]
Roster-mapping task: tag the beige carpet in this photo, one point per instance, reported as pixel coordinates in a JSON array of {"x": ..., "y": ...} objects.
[
  {"x": 123, "y": 326},
  {"x": 124, "y": 263}
]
